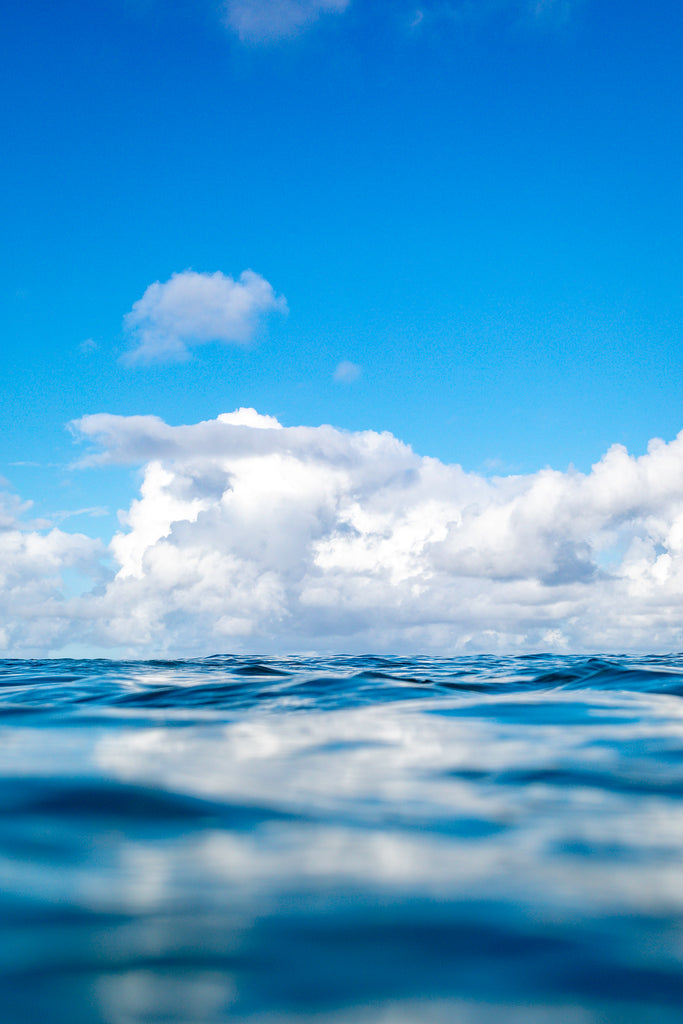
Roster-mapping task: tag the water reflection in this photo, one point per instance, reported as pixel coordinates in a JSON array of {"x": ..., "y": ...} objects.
[{"x": 510, "y": 850}]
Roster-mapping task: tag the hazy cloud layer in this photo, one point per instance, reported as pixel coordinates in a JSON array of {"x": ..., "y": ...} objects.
[
  {"x": 247, "y": 535},
  {"x": 265, "y": 21},
  {"x": 347, "y": 372},
  {"x": 259, "y": 21},
  {"x": 191, "y": 309}
]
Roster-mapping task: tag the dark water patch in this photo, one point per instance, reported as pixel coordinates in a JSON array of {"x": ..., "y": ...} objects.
[
  {"x": 368, "y": 675},
  {"x": 118, "y": 804},
  {"x": 541, "y": 713},
  {"x": 258, "y": 670},
  {"x": 17, "y": 680},
  {"x": 384, "y": 955},
  {"x": 470, "y": 687},
  {"x": 650, "y": 782},
  {"x": 601, "y": 675},
  {"x": 344, "y": 746},
  {"x": 216, "y": 696},
  {"x": 615, "y": 853}
]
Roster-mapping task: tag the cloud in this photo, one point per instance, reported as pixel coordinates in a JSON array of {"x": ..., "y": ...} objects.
[
  {"x": 559, "y": 10},
  {"x": 94, "y": 511},
  {"x": 347, "y": 373},
  {"x": 250, "y": 536},
  {"x": 35, "y": 616},
  {"x": 266, "y": 21},
  {"x": 262, "y": 21},
  {"x": 435, "y": 14},
  {"x": 191, "y": 309}
]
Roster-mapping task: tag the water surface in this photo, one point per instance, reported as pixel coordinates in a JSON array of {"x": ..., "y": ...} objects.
[{"x": 353, "y": 840}]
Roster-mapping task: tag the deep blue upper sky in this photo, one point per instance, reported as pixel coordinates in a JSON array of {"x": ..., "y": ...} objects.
[{"x": 482, "y": 211}]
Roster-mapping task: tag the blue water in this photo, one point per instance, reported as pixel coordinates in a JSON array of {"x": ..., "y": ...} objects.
[{"x": 352, "y": 840}]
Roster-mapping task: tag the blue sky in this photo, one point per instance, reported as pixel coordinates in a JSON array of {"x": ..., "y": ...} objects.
[{"x": 476, "y": 204}]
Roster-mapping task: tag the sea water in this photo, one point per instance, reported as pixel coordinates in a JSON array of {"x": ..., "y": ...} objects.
[{"x": 352, "y": 840}]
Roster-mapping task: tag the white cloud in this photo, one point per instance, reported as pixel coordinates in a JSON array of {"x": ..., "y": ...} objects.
[
  {"x": 439, "y": 13},
  {"x": 346, "y": 372},
  {"x": 259, "y": 21},
  {"x": 254, "y": 535},
  {"x": 247, "y": 535},
  {"x": 35, "y": 616},
  {"x": 559, "y": 10},
  {"x": 191, "y": 309},
  {"x": 265, "y": 21}
]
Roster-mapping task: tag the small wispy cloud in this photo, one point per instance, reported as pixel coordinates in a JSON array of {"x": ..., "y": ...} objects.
[
  {"x": 458, "y": 12},
  {"x": 192, "y": 309},
  {"x": 347, "y": 372},
  {"x": 258, "y": 22},
  {"x": 264, "y": 21},
  {"x": 88, "y": 345},
  {"x": 94, "y": 512},
  {"x": 555, "y": 10}
]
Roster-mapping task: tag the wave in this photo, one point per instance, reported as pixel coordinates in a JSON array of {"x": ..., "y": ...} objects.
[{"x": 223, "y": 681}]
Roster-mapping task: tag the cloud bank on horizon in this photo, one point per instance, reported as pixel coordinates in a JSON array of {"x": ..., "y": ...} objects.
[{"x": 250, "y": 536}]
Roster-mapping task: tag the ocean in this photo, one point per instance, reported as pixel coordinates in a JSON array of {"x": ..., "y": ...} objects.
[{"x": 350, "y": 840}]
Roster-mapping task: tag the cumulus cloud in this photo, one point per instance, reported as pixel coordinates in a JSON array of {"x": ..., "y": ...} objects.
[
  {"x": 250, "y": 535},
  {"x": 259, "y": 21},
  {"x": 191, "y": 309},
  {"x": 247, "y": 535}
]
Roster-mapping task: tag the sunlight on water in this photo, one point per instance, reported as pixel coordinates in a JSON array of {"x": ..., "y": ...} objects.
[{"x": 348, "y": 840}]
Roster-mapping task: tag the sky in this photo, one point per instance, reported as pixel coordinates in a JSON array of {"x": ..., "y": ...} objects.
[{"x": 430, "y": 251}]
